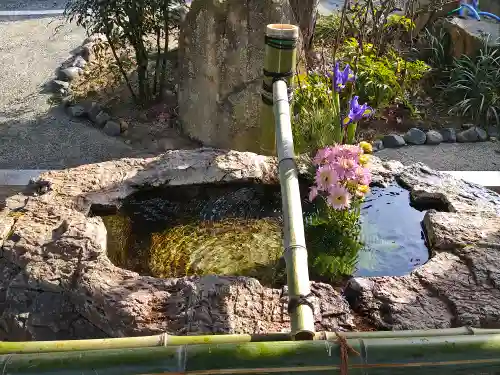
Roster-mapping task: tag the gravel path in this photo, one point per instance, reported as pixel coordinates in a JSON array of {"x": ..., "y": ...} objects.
[
  {"x": 34, "y": 135},
  {"x": 31, "y": 4},
  {"x": 449, "y": 156}
]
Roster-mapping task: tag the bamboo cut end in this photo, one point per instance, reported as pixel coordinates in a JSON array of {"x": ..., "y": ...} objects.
[{"x": 282, "y": 30}]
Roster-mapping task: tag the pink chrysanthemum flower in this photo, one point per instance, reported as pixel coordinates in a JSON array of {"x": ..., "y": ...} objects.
[
  {"x": 345, "y": 168},
  {"x": 325, "y": 177},
  {"x": 362, "y": 175},
  {"x": 350, "y": 151},
  {"x": 339, "y": 197},
  {"x": 322, "y": 156}
]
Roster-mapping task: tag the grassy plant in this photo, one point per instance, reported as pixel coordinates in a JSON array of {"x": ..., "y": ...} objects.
[
  {"x": 313, "y": 129},
  {"x": 473, "y": 89},
  {"x": 333, "y": 241}
]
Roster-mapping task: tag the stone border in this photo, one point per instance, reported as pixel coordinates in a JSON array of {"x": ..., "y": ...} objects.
[
  {"x": 416, "y": 136},
  {"x": 71, "y": 69},
  {"x": 59, "y": 283}
]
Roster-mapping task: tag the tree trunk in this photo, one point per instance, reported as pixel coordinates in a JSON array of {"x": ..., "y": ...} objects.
[{"x": 305, "y": 12}]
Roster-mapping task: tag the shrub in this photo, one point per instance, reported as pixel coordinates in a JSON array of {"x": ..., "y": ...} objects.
[
  {"x": 144, "y": 25},
  {"x": 474, "y": 87},
  {"x": 383, "y": 80}
]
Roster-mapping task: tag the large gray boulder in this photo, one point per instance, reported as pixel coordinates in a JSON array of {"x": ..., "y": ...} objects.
[{"x": 221, "y": 52}]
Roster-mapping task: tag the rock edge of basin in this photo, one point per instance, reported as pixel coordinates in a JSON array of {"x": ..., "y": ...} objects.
[{"x": 58, "y": 283}]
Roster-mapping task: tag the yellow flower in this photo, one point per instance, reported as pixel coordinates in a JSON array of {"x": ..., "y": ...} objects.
[
  {"x": 366, "y": 147},
  {"x": 364, "y": 159},
  {"x": 363, "y": 189}
]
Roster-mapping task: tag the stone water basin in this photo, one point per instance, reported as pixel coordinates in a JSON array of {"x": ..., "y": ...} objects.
[{"x": 235, "y": 229}]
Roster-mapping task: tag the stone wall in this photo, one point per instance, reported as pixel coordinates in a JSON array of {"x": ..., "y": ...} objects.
[{"x": 221, "y": 50}]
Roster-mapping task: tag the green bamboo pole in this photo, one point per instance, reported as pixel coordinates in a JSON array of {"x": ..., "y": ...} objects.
[
  {"x": 301, "y": 314},
  {"x": 441, "y": 355},
  {"x": 280, "y": 57},
  {"x": 170, "y": 340}
]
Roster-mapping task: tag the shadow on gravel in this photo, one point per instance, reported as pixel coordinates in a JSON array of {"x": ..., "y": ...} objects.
[{"x": 54, "y": 141}]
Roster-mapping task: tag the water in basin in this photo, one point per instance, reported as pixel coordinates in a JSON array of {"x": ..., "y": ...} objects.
[{"x": 235, "y": 229}]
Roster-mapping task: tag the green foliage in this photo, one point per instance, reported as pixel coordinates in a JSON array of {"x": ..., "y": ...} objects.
[
  {"x": 315, "y": 121},
  {"x": 327, "y": 29},
  {"x": 313, "y": 129},
  {"x": 383, "y": 80},
  {"x": 437, "y": 52},
  {"x": 333, "y": 241},
  {"x": 367, "y": 22},
  {"x": 144, "y": 25},
  {"x": 474, "y": 87},
  {"x": 399, "y": 21}
]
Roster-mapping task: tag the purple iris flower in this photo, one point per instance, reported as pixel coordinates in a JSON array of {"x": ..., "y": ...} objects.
[
  {"x": 357, "y": 112},
  {"x": 340, "y": 78},
  {"x": 348, "y": 74}
]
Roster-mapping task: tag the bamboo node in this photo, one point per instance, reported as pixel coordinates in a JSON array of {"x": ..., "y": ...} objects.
[{"x": 345, "y": 349}]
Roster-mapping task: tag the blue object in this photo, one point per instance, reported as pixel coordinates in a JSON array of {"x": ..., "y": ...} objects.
[
  {"x": 474, "y": 12},
  {"x": 464, "y": 9},
  {"x": 491, "y": 15}
]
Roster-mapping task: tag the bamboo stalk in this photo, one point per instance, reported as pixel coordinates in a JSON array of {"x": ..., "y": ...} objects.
[
  {"x": 280, "y": 56},
  {"x": 170, "y": 340},
  {"x": 432, "y": 355},
  {"x": 301, "y": 316}
]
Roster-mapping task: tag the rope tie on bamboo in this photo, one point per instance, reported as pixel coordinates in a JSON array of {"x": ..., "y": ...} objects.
[
  {"x": 345, "y": 349},
  {"x": 295, "y": 301}
]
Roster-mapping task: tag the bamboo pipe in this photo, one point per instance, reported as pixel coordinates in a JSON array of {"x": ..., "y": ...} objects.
[
  {"x": 280, "y": 57},
  {"x": 441, "y": 355},
  {"x": 301, "y": 316},
  {"x": 170, "y": 340}
]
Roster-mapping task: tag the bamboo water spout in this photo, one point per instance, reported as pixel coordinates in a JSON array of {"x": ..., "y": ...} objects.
[{"x": 279, "y": 68}]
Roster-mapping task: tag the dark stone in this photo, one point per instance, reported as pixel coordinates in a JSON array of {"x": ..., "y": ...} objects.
[
  {"x": 449, "y": 135},
  {"x": 58, "y": 85},
  {"x": 377, "y": 145},
  {"x": 415, "y": 136},
  {"x": 493, "y": 131},
  {"x": 93, "y": 109},
  {"x": 434, "y": 137},
  {"x": 481, "y": 134},
  {"x": 79, "y": 62},
  {"x": 101, "y": 119},
  {"x": 112, "y": 128},
  {"x": 393, "y": 141},
  {"x": 76, "y": 111},
  {"x": 69, "y": 74},
  {"x": 469, "y": 135}
]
